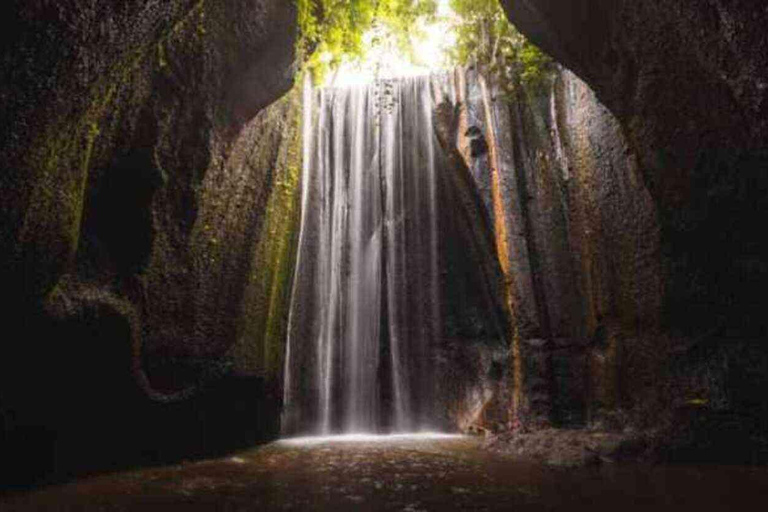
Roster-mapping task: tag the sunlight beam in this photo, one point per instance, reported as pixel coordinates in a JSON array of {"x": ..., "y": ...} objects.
[{"x": 385, "y": 61}]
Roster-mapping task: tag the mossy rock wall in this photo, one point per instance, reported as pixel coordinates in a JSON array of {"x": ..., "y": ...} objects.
[
  {"x": 262, "y": 332},
  {"x": 139, "y": 172}
]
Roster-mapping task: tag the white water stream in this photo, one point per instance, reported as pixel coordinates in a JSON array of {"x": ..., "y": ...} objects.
[{"x": 365, "y": 310}]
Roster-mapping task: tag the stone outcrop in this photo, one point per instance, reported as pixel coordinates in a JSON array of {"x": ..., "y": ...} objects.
[
  {"x": 141, "y": 184},
  {"x": 687, "y": 84},
  {"x": 577, "y": 237}
]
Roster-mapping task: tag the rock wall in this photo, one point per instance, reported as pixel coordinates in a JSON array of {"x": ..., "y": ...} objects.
[
  {"x": 577, "y": 237},
  {"x": 687, "y": 84},
  {"x": 687, "y": 81},
  {"x": 141, "y": 182}
]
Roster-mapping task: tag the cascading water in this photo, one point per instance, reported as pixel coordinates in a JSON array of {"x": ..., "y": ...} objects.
[{"x": 365, "y": 312}]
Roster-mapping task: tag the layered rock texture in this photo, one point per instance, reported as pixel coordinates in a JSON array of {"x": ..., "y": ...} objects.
[
  {"x": 144, "y": 191},
  {"x": 687, "y": 83},
  {"x": 577, "y": 238}
]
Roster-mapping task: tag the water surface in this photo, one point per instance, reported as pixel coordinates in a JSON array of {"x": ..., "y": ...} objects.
[{"x": 402, "y": 474}]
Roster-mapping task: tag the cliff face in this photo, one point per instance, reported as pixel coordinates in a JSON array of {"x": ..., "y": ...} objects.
[
  {"x": 687, "y": 84},
  {"x": 139, "y": 186},
  {"x": 577, "y": 237}
]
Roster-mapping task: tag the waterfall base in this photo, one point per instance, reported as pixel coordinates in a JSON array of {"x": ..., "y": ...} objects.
[{"x": 368, "y": 438}]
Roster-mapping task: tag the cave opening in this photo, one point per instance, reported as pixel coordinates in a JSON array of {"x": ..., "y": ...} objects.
[{"x": 321, "y": 240}]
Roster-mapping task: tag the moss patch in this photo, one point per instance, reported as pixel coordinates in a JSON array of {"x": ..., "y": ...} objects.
[{"x": 261, "y": 344}]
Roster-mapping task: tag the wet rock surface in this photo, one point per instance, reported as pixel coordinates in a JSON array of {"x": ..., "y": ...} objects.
[
  {"x": 139, "y": 169},
  {"x": 571, "y": 448},
  {"x": 687, "y": 82},
  {"x": 403, "y": 475}
]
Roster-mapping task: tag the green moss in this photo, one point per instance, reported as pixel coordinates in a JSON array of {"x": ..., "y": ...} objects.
[
  {"x": 191, "y": 23},
  {"x": 195, "y": 15},
  {"x": 61, "y": 158},
  {"x": 277, "y": 257},
  {"x": 262, "y": 341},
  {"x": 61, "y": 162},
  {"x": 162, "y": 56},
  {"x": 200, "y": 10}
]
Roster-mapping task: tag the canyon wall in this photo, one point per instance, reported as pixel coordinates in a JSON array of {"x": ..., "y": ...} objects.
[
  {"x": 687, "y": 84},
  {"x": 577, "y": 237},
  {"x": 144, "y": 191}
]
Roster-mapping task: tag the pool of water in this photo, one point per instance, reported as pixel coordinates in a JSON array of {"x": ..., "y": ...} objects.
[{"x": 402, "y": 473}]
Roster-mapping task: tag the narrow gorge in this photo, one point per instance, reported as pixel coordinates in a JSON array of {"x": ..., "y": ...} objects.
[{"x": 558, "y": 258}]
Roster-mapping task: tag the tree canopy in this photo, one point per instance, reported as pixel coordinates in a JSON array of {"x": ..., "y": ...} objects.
[
  {"x": 486, "y": 38},
  {"x": 338, "y": 31},
  {"x": 333, "y": 31}
]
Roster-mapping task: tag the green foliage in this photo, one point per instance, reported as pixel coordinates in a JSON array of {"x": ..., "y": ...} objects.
[
  {"x": 484, "y": 37},
  {"x": 332, "y": 31}
]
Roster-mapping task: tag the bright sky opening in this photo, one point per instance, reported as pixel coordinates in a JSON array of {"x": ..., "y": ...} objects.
[{"x": 430, "y": 55}]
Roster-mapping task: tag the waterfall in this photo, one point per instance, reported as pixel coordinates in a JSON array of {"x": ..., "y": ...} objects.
[{"x": 365, "y": 313}]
